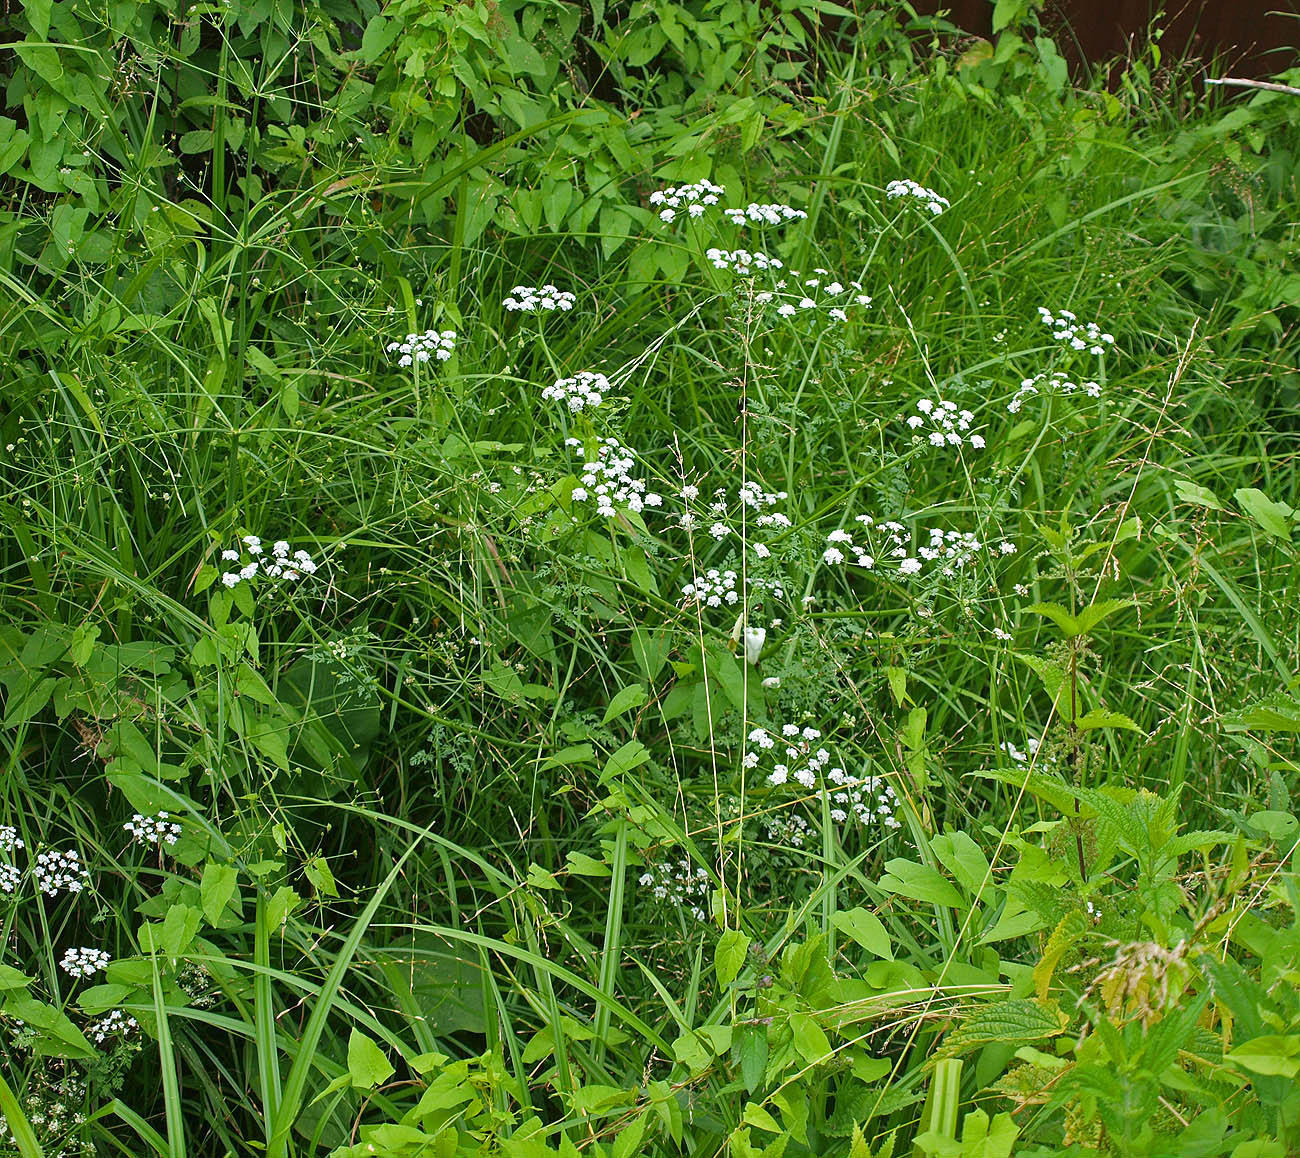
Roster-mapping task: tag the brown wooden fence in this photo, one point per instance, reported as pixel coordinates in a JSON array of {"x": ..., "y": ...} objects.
[{"x": 1252, "y": 38}]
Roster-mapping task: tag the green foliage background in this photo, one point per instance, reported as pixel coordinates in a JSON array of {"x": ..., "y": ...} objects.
[{"x": 419, "y": 795}]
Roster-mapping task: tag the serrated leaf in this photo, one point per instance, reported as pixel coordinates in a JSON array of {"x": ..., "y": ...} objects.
[
  {"x": 1097, "y": 718},
  {"x": 866, "y": 929},
  {"x": 1058, "y": 615},
  {"x": 1016, "y": 1021}
]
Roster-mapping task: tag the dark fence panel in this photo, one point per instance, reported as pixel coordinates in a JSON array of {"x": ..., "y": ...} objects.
[{"x": 1254, "y": 38}]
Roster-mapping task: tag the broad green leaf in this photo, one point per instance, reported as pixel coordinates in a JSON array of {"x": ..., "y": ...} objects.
[
  {"x": 809, "y": 1038},
  {"x": 368, "y": 1065},
  {"x": 962, "y": 857},
  {"x": 749, "y": 1053},
  {"x": 1016, "y": 1021},
  {"x": 1274, "y": 1055},
  {"x": 632, "y": 696},
  {"x": 755, "y": 1115},
  {"x": 866, "y": 929},
  {"x": 729, "y": 956},
  {"x": 1274, "y": 519},
  {"x": 920, "y": 882},
  {"x": 1190, "y": 492},
  {"x": 539, "y": 878},
  {"x": 217, "y": 889},
  {"x": 631, "y": 755},
  {"x": 580, "y": 864},
  {"x": 11, "y": 978}
]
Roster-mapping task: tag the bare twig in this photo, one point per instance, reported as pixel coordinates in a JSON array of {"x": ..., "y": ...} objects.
[{"x": 1243, "y": 82}]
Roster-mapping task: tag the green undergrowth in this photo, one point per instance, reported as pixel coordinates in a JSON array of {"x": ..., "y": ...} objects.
[{"x": 574, "y": 586}]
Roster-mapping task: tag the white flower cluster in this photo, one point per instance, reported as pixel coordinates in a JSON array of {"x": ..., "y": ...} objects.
[
  {"x": 608, "y": 480},
  {"x": 584, "y": 391},
  {"x": 801, "y": 762},
  {"x": 1054, "y": 383},
  {"x": 1019, "y": 756},
  {"x": 949, "y": 425},
  {"x": 57, "y": 872},
  {"x": 527, "y": 299},
  {"x": 866, "y": 799},
  {"x": 767, "y": 214},
  {"x": 695, "y": 199},
  {"x": 742, "y": 262},
  {"x": 1078, "y": 335},
  {"x": 422, "y": 347},
  {"x": 713, "y": 588},
  {"x": 910, "y": 189},
  {"x": 115, "y": 1023},
  {"x": 680, "y": 884},
  {"x": 9, "y": 878},
  {"x": 84, "y": 962},
  {"x": 158, "y": 829},
  {"x": 788, "y": 829},
  {"x": 9, "y": 839},
  {"x": 797, "y": 761},
  {"x": 954, "y": 550},
  {"x": 798, "y": 294},
  {"x": 281, "y": 565}
]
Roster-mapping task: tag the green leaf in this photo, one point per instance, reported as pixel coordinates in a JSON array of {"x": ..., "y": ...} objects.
[
  {"x": 632, "y": 696},
  {"x": 1190, "y": 492},
  {"x": 539, "y": 878},
  {"x": 368, "y": 1065},
  {"x": 749, "y": 1053},
  {"x": 809, "y": 1038},
  {"x": 755, "y": 1115},
  {"x": 378, "y": 37},
  {"x": 631, "y": 755},
  {"x": 1274, "y": 1055},
  {"x": 920, "y": 882},
  {"x": 1016, "y": 1021},
  {"x": 10, "y": 978},
  {"x": 1097, "y": 718},
  {"x": 729, "y": 956},
  {"x": 580, "y": 864},
  {"x": 866, "y": 929},
  {"x": 962, "y": 857},
  {"x": 217, "y": 889},
  {"x": 1274, "y": 519}
]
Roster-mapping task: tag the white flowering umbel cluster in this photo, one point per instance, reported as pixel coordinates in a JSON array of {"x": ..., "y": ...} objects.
[
  {"x": 584, "y": 391},
  {"x": 1028, "y": 755},
  {"x": 713, "y": 588},
  {"x": 948, "y": 426},
  {"x": 608, "y": 479},
  {"x": 1055, "y": 383},
  {"x": 78, "y": 963},
  {"x": 9, "y": 844},
  {"x": 423, "y": 347},
  {"x": 912, "y": 193},
  {"x": 892, "y": 543},
  {"x": 114, "y": 1024},
  {"x": 160, "y": 829},
  {"x": 253, "y": 561},
  {"x": 695, "y": 200},
  {"x": 768, "y": 213},
  {"x": 742, "y": 261},
  {"x": 819, "y": 295},
  {"x": 59, "y": 871},
  {"x": 1076, "y": 334},
  {"x": 678, "y": 883},
  {"x": 795, "y": 761},
  {"x": 527, "y": 299}
]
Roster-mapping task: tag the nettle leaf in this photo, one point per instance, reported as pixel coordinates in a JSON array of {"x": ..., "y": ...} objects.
[
  {"x": 1098, "y": 718},
  {"x": 1276, "y": 713},
  {"x": 1274, "y": 519},
  {"x": 1087, "y": 619},
  {"x": 1017, "y": 1021}
]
